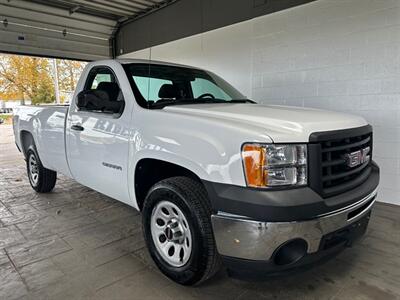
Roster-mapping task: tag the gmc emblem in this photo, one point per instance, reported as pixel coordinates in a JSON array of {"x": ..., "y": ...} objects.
[{"x": 357, "y": 158}]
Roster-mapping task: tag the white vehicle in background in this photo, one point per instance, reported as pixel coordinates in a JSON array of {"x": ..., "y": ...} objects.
[{"x": 217, "y": 177}]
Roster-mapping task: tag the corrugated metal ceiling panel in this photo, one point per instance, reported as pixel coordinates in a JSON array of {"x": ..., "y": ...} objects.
[{"x": 78, "y": 29}]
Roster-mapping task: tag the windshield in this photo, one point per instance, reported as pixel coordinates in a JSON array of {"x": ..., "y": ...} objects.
[{"x": 156, "y": 86}]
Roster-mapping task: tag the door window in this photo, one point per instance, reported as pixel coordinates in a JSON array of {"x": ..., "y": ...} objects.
[
  {"x": 98, "y": 75},
  {"x": 101, "y": 77},
  {"x": 101, "y": 93}
]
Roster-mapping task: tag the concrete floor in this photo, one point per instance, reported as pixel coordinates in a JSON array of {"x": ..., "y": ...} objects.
[{"x": 75, "y": 243}]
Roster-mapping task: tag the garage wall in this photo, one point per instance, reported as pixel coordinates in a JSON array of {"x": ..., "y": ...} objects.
[
  {"x": 338, "y": 55},
  {"x": 186, "y": 18}
]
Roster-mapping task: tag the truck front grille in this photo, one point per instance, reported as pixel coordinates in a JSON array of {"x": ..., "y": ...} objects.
[{"x": 330, "y": 170}]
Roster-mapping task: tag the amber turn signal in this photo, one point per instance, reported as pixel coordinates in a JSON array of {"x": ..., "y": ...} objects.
[{"x": 254, "y": 162}]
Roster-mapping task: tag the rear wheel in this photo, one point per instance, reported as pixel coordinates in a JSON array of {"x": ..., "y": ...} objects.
[
  {"x": 177, "y": 229},
  {"x": 42, "y": 180}
]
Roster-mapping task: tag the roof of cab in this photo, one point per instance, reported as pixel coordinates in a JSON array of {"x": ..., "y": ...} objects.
[{"x": 125, "y": 61}]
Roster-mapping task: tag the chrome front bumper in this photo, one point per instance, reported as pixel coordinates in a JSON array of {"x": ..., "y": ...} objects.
[{"x": 243, "y": 238}]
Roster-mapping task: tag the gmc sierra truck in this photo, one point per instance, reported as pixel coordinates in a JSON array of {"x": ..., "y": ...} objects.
[{"x": 218, "y": 178}]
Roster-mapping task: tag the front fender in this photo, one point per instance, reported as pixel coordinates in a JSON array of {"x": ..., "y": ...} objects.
[
  {"x": 205, "y": 146},
  {"x": 205, "y": 169}
]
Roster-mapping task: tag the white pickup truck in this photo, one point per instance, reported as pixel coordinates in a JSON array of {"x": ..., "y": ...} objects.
[{"x": 217, "y": 177}]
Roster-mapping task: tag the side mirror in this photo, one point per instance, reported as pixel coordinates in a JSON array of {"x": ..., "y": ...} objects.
[
  {"x": 81, "y": 100},
  {"x": 91, "y": 100},
  {"x": 95, "y": 100}
]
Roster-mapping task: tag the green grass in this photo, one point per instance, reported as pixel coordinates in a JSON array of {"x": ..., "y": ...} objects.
[{"x": 7, "y": 118}]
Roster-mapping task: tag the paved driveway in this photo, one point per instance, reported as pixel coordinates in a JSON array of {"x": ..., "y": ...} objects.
[{"x": 75, "y": 243}]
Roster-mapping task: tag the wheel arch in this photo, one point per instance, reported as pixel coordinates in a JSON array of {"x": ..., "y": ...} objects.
[
  {"x": 149, "y": 171},
  {"x": 27, "y": 140}
]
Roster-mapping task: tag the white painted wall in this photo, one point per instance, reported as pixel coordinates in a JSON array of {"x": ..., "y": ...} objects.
[{"x": 340, "y": 55}]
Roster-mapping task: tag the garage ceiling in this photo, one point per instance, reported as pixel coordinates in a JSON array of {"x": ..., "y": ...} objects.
[{"x": 76, "y": 29}]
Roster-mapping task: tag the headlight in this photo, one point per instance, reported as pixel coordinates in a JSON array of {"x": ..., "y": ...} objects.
[{"x": 269, "y": 165}]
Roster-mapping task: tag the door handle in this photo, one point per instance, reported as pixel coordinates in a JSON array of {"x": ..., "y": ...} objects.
[{"x": 77, "y": 128}]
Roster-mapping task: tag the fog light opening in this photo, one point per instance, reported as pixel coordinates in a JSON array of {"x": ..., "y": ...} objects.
[{"x": 290, "y": 252}]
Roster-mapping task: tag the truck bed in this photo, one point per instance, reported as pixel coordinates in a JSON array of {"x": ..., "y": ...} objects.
[{"x": 46, "y": 125}]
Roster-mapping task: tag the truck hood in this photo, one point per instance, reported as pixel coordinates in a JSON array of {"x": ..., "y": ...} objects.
[{"x": 283, "y": 124}]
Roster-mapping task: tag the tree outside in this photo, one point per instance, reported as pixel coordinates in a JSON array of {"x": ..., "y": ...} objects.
[{"x": 32, "y": 78}]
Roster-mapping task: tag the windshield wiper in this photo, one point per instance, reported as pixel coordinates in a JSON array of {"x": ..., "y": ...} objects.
[
  {"x": 163, "y": 103},
  {"x": 242, "y": 101},
  {"x": 169, "y": 102}
]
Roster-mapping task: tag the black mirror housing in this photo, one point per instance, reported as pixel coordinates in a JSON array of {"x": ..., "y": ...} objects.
[
  {"x": 95, "y": 100},
  {"x": 81, "y": 99}
]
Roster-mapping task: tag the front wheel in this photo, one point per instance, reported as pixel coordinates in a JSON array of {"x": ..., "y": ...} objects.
[
  {"x": 177, "y": 229},
  {"x": 42, "y": 180}
]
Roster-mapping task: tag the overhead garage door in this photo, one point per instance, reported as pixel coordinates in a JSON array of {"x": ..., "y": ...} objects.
[{"x": 77, "y": 29}]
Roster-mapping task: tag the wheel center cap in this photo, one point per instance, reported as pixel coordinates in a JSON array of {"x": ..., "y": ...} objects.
[
  {"x": 174, "y": 231},
  {"x": 168, "y": 233}
]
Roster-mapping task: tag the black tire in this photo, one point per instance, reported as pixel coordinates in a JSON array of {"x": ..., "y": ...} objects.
[
  {"x": 46, "y": 179},
  {"x": 191, "y": 198}
]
